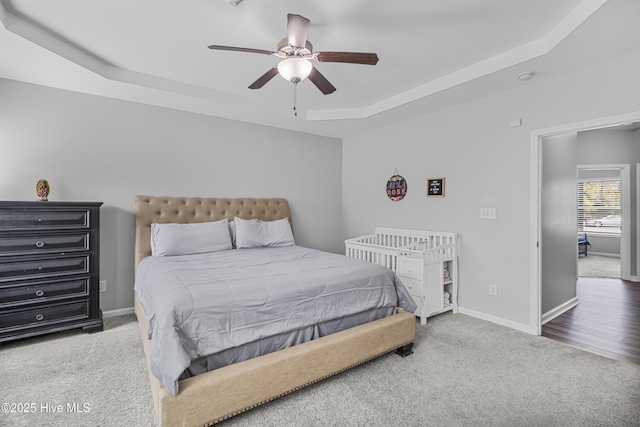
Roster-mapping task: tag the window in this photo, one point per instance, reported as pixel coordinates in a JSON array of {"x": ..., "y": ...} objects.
[{"x": 599, "y": 206}]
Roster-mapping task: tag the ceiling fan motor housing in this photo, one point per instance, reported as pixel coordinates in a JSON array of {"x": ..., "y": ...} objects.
[{"x": 285, "y": 50}]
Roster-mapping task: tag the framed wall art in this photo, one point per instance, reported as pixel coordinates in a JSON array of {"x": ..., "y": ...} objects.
[{"x": 435, "y": 187}]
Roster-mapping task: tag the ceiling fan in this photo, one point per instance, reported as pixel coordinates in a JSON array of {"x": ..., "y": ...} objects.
[{"x": 296, "y": 51}]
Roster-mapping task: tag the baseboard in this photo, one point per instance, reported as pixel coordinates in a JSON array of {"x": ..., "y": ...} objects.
[
  {"x": 498, "y": 320},
  {"x": 604, "y": 254},
  {"x": 119, "y": 312},
  {"x": 561, "y": 309}
]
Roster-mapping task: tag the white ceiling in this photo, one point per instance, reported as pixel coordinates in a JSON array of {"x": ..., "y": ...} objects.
[{"x": 432, "y": 53}]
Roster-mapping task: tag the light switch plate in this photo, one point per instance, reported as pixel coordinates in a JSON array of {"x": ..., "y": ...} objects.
[{"x": 488, "y": 213}]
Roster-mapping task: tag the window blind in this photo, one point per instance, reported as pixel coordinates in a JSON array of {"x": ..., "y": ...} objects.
[{"x": 599, "y": 205}]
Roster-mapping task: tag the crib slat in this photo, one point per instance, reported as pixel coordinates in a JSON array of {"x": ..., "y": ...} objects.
[{"x": 384, "y": 246}]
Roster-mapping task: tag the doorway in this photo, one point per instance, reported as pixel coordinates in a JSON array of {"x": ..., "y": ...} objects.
[
  {"x": 536, "y": 211},
  {"x": 599, "y": 206},
  {"x": 600, "y": 315}
]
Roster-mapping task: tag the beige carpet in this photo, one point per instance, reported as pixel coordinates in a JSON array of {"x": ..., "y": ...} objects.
[
  {"x": 599, "y": 266},
  {"x": 75, "y": 379}
]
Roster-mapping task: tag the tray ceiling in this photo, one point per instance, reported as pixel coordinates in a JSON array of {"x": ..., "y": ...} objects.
[{"x": 432, "y": 54}]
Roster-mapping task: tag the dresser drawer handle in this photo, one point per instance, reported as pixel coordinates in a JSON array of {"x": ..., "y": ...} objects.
[
  {"x": 39, "y": 244},
  {"x": 39, "y": 316},
  {"x": 39, "y": 292}
]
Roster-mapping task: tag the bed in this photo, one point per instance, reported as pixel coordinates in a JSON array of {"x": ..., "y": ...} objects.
[{"x": 213, "y": 396}]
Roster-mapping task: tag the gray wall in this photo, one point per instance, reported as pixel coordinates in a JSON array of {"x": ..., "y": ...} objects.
[
  {"x": 486, "y": 164},
  {"x": 93, "y": 148}
]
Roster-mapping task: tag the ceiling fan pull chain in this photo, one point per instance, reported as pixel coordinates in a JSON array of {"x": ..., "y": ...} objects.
[{"x": 295, "y": 99}]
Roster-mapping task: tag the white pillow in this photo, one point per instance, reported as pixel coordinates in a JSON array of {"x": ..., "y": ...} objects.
[
  {"x": 255, "y": 233},
  {"x": 186, "y": 239}
]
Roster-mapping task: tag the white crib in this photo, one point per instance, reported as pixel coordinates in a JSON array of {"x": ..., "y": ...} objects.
[{"x": 425, "y": 261}]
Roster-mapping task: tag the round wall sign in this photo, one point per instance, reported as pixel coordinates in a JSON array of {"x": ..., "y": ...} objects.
[{"x": 396, "y": 188}]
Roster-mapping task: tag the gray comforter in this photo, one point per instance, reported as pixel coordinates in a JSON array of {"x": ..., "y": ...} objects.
[{"x": 198, "y": 305}]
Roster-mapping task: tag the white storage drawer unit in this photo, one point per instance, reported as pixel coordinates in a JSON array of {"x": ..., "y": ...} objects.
[{"x": 425, "y": 261}]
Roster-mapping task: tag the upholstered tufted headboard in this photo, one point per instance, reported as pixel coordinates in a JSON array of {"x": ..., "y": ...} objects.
[{"x": 150, "y": 209}]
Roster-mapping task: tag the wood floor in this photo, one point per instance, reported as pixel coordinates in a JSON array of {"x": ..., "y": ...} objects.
[{"x": 606, "y": 320}]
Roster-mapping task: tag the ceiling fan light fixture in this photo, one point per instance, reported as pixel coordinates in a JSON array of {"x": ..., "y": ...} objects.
[{"x": 294, "y": 69}]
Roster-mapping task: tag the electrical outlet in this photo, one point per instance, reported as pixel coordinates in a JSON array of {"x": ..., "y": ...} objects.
[
  {"x": 493, "y": 290},
  {"x": 103, "y": 286}
]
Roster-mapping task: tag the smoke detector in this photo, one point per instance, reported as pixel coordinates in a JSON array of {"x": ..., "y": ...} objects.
[{"x": 527, "y": 75}]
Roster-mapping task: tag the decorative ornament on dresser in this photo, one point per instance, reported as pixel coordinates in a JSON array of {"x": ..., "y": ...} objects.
[
  {"x": 396, "y": 187},
  {"x": 42, "y": 190}
]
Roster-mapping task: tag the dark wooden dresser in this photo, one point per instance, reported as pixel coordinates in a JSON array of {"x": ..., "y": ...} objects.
[{"x": 49, "y": 268}]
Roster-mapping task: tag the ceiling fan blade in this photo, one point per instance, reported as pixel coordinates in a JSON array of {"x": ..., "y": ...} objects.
[
  {"x": 321, "y": 82},
  {"x": 349, "y": 57},
  {"x": 297, "y": 30},
  {"x": 241, "y": 49},
  {"x": 264, "y": 79}
]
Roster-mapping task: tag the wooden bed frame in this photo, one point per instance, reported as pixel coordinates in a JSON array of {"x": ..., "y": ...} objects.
[{"x": 214, "y": 396}]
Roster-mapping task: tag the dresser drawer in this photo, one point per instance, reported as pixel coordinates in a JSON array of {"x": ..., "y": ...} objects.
[
  {"x": 44, "y": 315},
  {"x": 44, "y": 243},
  {"x": 43, "y": 291},
  {"x": 412, "y": 269},
  {"x": 29, "y": 219},
  {"x": 414, "y": 287},
  {"x": 43, "y": 267}
]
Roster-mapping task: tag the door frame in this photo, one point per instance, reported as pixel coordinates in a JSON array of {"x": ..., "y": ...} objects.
[{"x": 535, "y": 201}]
